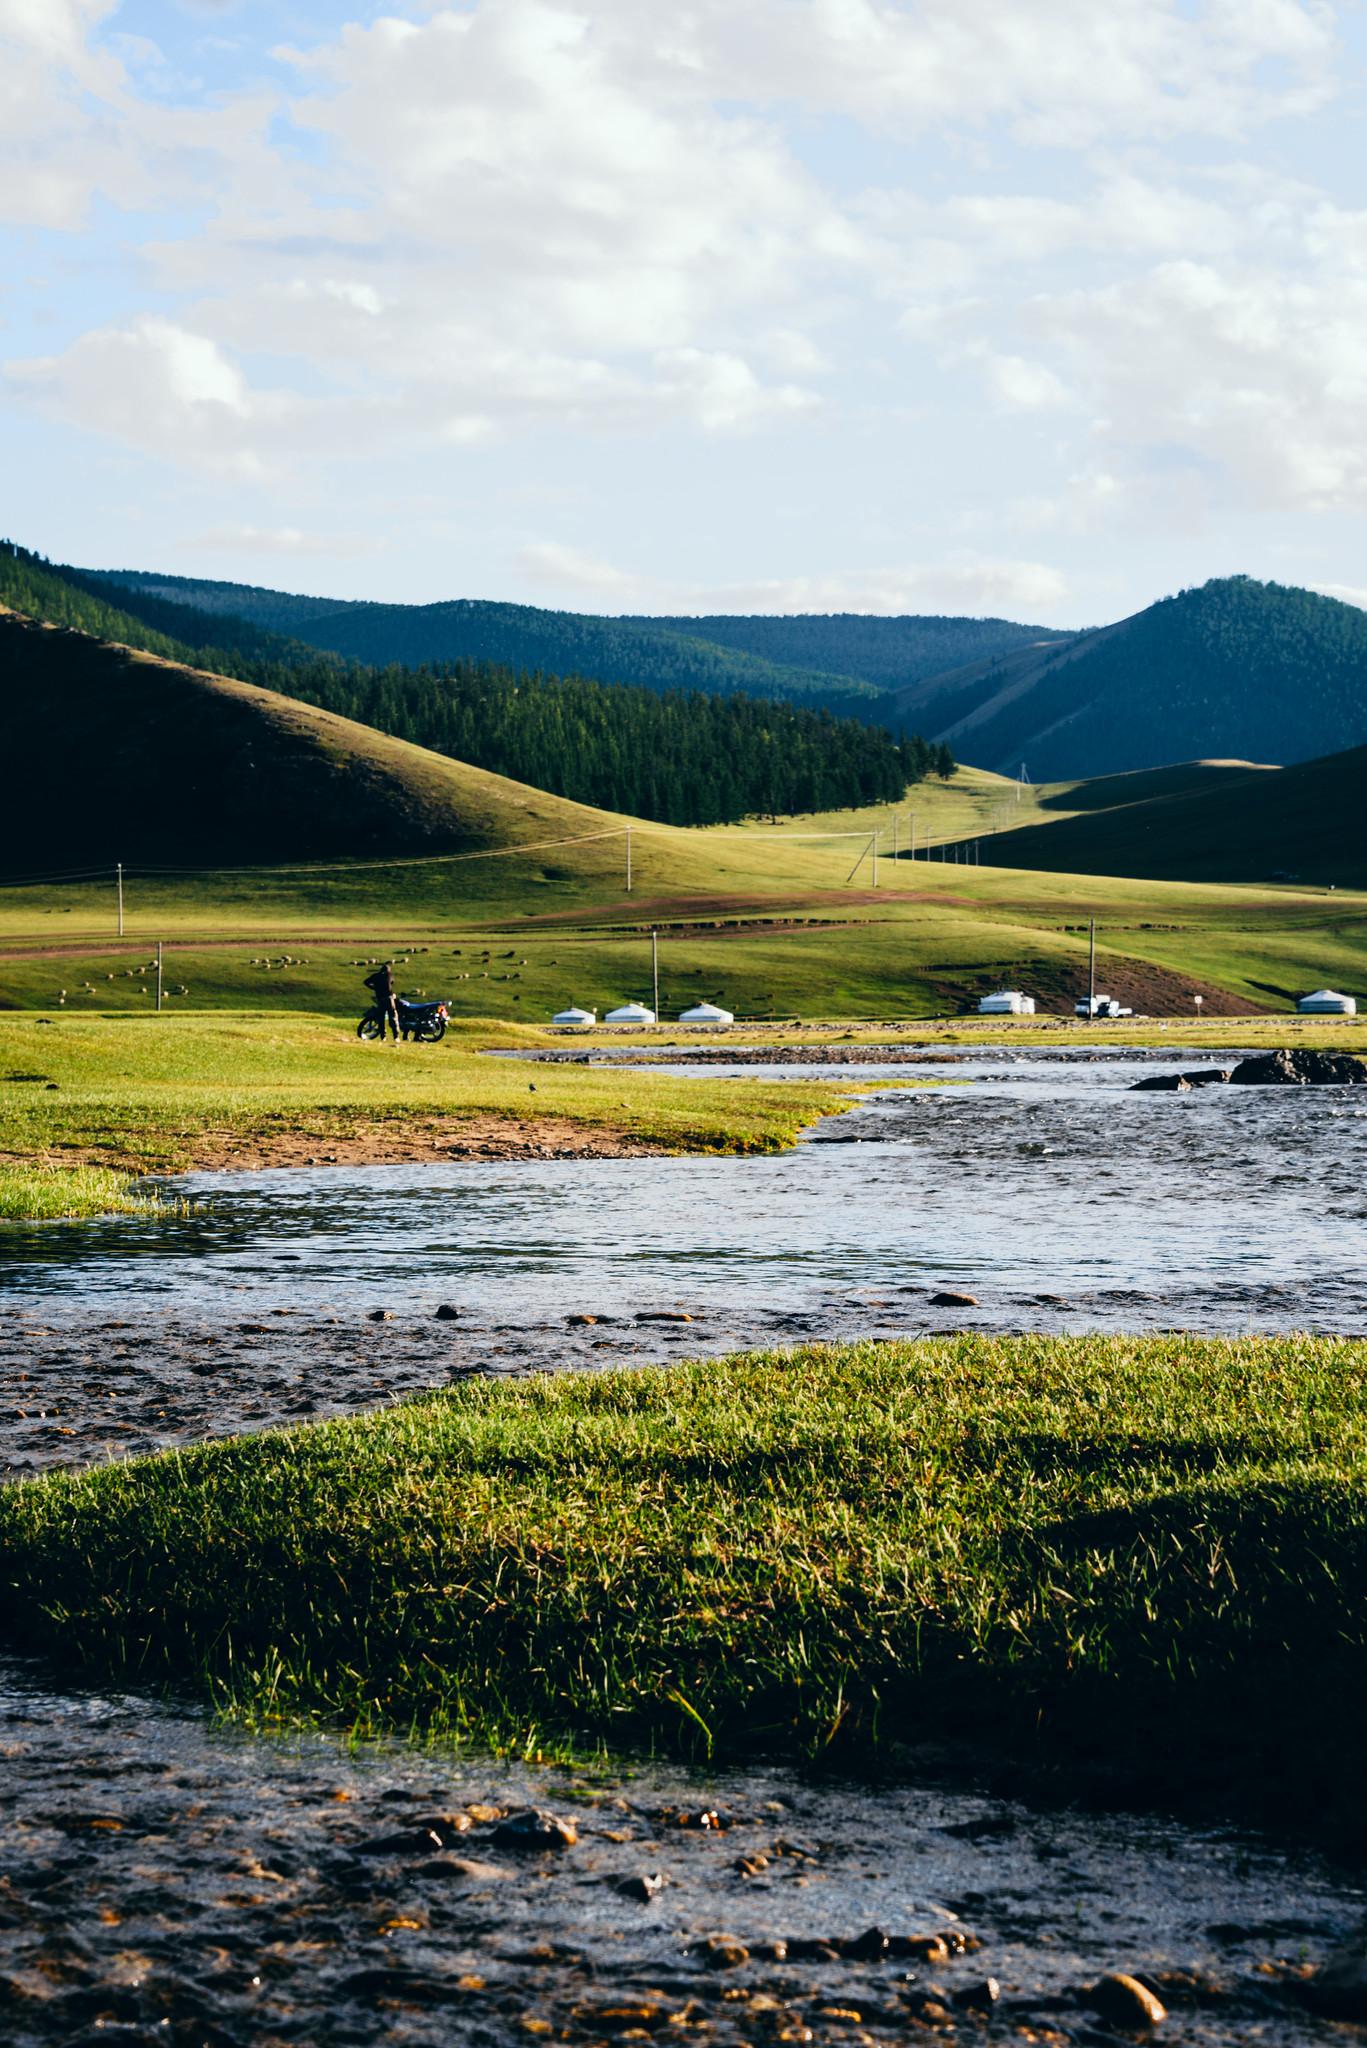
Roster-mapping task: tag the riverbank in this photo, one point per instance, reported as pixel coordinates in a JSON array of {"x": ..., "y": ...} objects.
[
  {"x": 149, "y": 1095},
  {"x": 1138, "y": 1557}
]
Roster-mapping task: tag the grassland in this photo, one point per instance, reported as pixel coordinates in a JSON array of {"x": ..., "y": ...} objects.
[
  {"x": 751, "y": 930},
  {"x": 1148, "y": 1550},
  {"x": 156, "y": 1095}
]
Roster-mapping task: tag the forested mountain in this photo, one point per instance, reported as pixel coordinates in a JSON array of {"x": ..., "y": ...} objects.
[
  {"x": 843, "y": 660},
  {"x": 686, "y": 759},
  {"x": 890, "y": 653},
  {"x": 1259, "y": 671},
  {"x": 1239, "y": 668},
  {"x": 517, "y": 636}
]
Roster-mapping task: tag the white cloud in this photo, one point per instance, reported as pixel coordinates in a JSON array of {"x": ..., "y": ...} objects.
[
  {"x": 169, "y": 389},
  {"x": 962, "y": 583},
  {"x": 489, "y": 221},
  {"x": 246, "y": 539},
  {"x": 562, "y": 567},
  {"x": 975, "y": 584}
]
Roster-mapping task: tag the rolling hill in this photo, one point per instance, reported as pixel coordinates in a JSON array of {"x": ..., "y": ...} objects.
[
  {"x": 1236, "y": 668},
  {"x": 1209, "y": 821},
  {"x": 124, "y": 755},
  {"x": 684, "y": 758}
]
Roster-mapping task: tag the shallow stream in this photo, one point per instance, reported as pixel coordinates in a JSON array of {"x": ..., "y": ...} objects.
[{"x": 169, "y": 1881}]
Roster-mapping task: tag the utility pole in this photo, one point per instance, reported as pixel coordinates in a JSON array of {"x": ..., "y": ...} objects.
[
  {"x": 894, "y": 835},
  {"x": 873, "y": 852},
  {"x": 1091, "y": 969},
  {"x": 119, "y": 872},
  {"x": 158, "y": 977},
  {"x": 628, "y": 860},
  {"x": 655, "y": 972}
]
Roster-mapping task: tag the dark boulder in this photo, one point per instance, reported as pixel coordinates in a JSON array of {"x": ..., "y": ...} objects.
[
  {"x": 1179, "y": 1084},
  {"x": 1300, "y": 1068}
]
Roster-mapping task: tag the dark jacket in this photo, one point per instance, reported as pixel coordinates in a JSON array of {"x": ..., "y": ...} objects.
[{"x": 382, "y": 981}]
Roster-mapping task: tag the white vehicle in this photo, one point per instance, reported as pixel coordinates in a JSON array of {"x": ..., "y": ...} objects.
[{"x": 1100, "y": 1006}]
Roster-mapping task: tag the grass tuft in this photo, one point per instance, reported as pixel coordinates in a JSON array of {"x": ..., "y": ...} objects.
[
  {"x": 1148, "y": 1550},
  {"x": 37, "y": 1194}
]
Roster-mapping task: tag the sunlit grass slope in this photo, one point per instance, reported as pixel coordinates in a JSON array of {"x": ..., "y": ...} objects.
[{"x": 1148, "y": 1551}]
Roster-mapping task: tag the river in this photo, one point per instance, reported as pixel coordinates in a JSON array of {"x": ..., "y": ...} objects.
[{"x": 168, "y": 1880}]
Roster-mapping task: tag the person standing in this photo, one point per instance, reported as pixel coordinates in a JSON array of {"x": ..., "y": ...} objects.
[{"x": 381, "y": 985}]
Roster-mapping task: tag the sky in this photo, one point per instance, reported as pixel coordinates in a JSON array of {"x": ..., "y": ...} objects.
[{"x": 1036, "y": 308}]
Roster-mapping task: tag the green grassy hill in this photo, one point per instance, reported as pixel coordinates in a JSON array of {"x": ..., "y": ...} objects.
[
  {"x": 124, "y": 755},
  {"x": 1209, "y": 821},
  {"x": 1236, "y": 668}
]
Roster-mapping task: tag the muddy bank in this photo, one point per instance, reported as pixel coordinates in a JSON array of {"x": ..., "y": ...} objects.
[
  {"x": 398, "y": 1141},
  {"x": 166, "y": 1881}
]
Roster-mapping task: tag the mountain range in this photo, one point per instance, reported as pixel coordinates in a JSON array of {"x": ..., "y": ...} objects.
[{"x": 1233, "y": 669}]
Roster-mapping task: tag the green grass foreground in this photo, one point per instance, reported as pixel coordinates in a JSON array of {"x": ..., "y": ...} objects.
[
  {"x": 43, "y": 1194},
  {"x": 1149, "y": 1550}
]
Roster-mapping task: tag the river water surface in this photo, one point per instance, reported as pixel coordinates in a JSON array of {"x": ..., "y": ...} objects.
[{"x": 169, "y": 1881}]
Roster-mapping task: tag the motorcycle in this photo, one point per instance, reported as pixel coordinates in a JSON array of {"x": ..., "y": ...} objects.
[{"x": 424, "y": 1021}]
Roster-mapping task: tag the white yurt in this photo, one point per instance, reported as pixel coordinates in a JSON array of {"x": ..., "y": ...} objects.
[
  {"x": 706, "y": 1013},
  {"x": 1006, "y": 1002},
  {"x": 630, "y": 1013},
  {"x": 1327, "y": 1002},
  {"x": 574, "y": 1015}
]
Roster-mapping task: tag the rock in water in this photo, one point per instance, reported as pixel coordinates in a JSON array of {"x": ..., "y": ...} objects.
[
  {"x": 448, "y": 1312},
  {"x": 1178, "y": 1084},
  {"x": 722, "y": 1952},
  {"x": 1340, "y": 1988},
  {"x": 947, "y": 1298},
  {"x": 1125, "y": 2002},
  {"x": 1300, "y": 1068},
  {"x": 534, "y": 1828}
]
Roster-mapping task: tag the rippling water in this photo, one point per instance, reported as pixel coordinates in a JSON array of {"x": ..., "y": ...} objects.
[{"x": 1224, "y": 1210}]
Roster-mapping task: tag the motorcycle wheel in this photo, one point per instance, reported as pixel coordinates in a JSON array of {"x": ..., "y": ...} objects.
[
  {"x": 370, "y": 1026},
  {"x": 433, "y": 1033}
]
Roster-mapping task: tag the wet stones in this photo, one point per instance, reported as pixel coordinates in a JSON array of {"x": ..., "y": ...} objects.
[
  {"x": 1300, "y": 1068},
  {"x": 1125, "y": 2002},
  {"x": 380, "y": 1315},
  {"x": 979, "y": 1997},
  {"x": 948, "y": 1297},
  {"x": 1182, "y": 1084},
  {"x": 722, "y": 1952},
  {"x": 642, "y": 1885},
  {"x": 533, "y": 1828},
  {"x": 448, "y": 1312}
]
